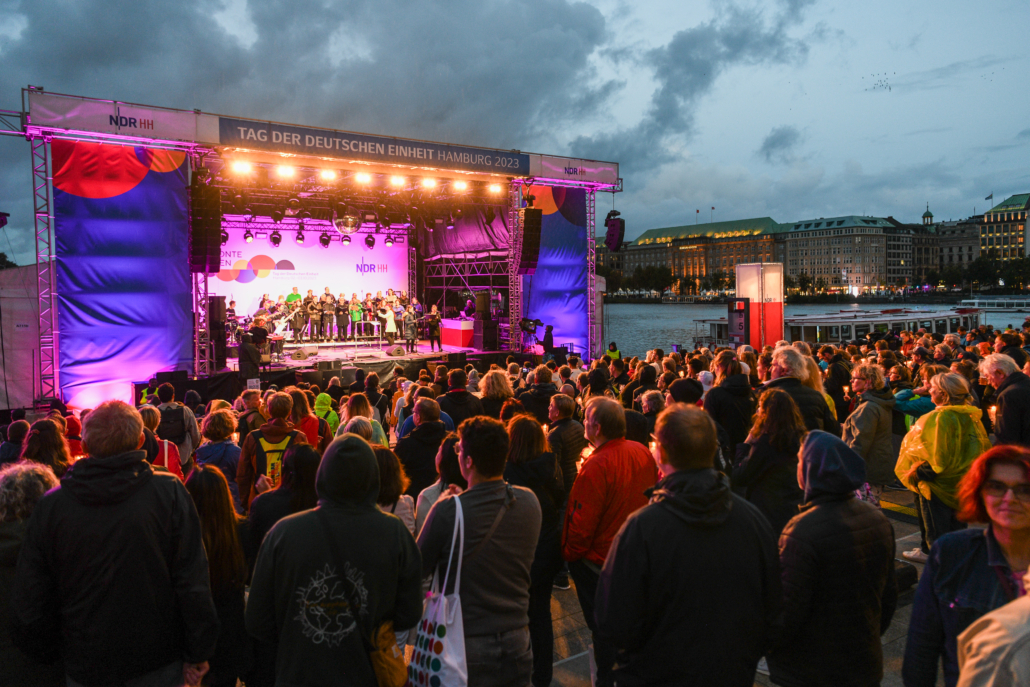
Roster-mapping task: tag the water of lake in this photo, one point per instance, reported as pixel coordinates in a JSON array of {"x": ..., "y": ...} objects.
[{"x": 639, "y": 327}]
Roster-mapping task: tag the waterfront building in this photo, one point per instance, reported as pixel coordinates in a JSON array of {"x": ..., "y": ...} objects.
[
  {"x": 959, "y": 242},
  {"x": 1003, "y": 229},
  {"x": 842, "y": 252}
]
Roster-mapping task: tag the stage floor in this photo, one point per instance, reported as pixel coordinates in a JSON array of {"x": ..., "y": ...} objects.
[{"x": 349, "y": 355}]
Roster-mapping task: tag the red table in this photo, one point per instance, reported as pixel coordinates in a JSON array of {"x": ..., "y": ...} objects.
[{"x": 456, "y": 333}]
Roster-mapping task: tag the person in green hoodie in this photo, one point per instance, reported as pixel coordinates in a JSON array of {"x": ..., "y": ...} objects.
[
  {"x": 303, "y": 598},
  {"x": 324, "y": 410}
]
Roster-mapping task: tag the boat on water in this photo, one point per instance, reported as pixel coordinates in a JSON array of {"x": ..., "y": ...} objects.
[
  {"x": 999, "y": 304},
  {"x": 848, "y": 325}
]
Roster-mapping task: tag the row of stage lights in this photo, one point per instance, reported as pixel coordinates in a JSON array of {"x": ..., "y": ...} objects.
[
  {"x": 289, "y": 172},
  {"x": 324, "y": 238}
]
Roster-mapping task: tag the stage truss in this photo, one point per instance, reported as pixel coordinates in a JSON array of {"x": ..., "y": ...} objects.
[
  {"x": 45, "y": 278},
  {"x": 514, "y": 258}
]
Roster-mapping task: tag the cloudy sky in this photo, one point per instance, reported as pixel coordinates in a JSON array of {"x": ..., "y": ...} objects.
[{"x": 791, "y": 109}]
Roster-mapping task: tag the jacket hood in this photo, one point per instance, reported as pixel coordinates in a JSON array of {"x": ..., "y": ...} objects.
[
  {"x": 429, "y": 432},
  {"x": 830, "y": 467},
  {"x": 323, "y": 402},
  {"x": 883, "y": 397},
  {"x": 74, "y": 427},
  {"x": 698, "y": 497},
  {"x": 98, "y": 481},
  {"x": 12, "y": 534},
  {"x": 275, "y": 430},
  {"x": 738, "y": 385},
  {"x": 543, "y": 391},
  {"x": 348, "y": 474},
  {"x": 460, "y": 396}
]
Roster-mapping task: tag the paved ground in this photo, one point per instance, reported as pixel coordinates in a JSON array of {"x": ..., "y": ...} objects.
[{"x": 572, "y": 638}]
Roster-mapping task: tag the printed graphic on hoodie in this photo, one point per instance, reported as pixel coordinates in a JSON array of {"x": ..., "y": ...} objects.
[{"x": 325, "y": 604}]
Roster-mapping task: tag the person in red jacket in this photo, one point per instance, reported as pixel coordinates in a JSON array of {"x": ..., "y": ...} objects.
[{"x": 610, "y": 486}]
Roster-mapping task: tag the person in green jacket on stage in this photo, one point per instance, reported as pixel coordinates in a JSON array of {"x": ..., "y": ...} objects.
[{"x": 324, "y": 410}]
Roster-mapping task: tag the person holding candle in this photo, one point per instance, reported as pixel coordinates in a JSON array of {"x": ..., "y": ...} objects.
[{"x": 1011, "y": 417}]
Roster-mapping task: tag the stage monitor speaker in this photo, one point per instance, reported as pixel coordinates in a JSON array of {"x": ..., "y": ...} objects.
[
  {"x": 483, "y": 305},
  {"x": 484, "y": 335},
  {"x": 395, "y": 350},
  {"x": 328, "y": 364},
  {"x": 299, "y": 354},
  {"x": 205, "y": 228},
  {"x": 616, "y": 233},
  {"x": 173, "y": 377},
  {"x": 455, "y": 360},
  {"x": 309, "y": 376},
  {"x": 532, "y": 219}
]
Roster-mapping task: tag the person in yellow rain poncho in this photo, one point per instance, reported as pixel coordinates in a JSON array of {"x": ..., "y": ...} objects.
[
  {"x": 324, "y": 410},
  {"x": 935, "y": 455}
]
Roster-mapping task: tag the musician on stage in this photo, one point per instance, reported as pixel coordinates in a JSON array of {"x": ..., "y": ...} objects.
[
  {"x": 258, "y": 332},
  {"x": 294, "y": 296},
  {"x": 328, "y": 315},
  {"x": 355, "y": 311},
  {"x": 230, "y": 312},
  {"x": 314, "y": 309},
  {"x": 410, "y": 330},
  {"x": 470, "y": 309},
  {"x": 342, "y": 313},
  {"x": 433, "y": 328},
  {"x": 298, "y": 320}
]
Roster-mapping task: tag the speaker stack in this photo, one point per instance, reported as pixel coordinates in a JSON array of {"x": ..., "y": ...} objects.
[
  {"x": 216, "y": 328},
  {"x": 484, "y": 335},
  {"x": 532, "y": 219},
  {"x": 205, "y": 228}
]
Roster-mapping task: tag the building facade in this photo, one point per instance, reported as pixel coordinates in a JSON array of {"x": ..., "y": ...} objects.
[
  {"x": 840, "y": 252},
  {"x": 605, "y": 258},
  {"x": 959, "y": 242},
  {"x": 899, "y": 253},
  {"x": 698, "y": 252},
  {"x": 1003, "y": 229}
]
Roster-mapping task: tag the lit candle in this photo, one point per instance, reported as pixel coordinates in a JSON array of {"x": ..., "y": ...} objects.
[
  {"x": 847, "y": 390},
  {"x": 992, "y": 412},
  {"x": 546, "y": 427}
]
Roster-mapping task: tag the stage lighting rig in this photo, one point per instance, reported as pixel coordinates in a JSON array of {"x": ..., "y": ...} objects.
[
  {"x": 370, "y": 240},
  {"x": 345, "y": 240},
  {"x": 328, "y": 175},
  {"x": 277, "y": 216},
  {"x": 363, "y": 178},
  {"x": 461, "y": 185},
  {"x": 529, "y": 326},
  {"x": 276, "y": 238},
  {"x": 300, "y": 236},
  {"x": 248, "y": 236},
  {"x": 388, "y": 242},
  {"x": 495, "y": 188},
  {"x": 369, "y": 217},
  {"x": 324, "y": 240},
  {"x": 225, "y": 237},
  {"x": 241, "y": 167},
  {"x": 429, "y": 183}
]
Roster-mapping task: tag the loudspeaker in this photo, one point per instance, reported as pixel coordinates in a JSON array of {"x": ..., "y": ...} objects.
[
  {"x": 174, "y": 377},
  {"x": 482, "y": 305},
  {"x": 328, "y": 364},
  {"x": 205, "y": 227},
  {"x": 532, "y": 219},
  {"x": 309, "y": 376},
  {"x": 615, "y": 234},
  {"x": 395, "y": 350},
  {"x": 216, "y": 308},
  {"x": 299, "y": 354},
  {"x": 455, "y": 359},
  {"x": 484, "y": 335}
]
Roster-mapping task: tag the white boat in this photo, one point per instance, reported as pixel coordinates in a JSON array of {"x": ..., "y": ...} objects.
[
  {"x": 998, "y": 304},
  {"x": 848, "y": 325}
]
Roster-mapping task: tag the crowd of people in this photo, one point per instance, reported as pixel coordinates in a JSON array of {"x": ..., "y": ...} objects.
[{"x": 718, "y": 513}]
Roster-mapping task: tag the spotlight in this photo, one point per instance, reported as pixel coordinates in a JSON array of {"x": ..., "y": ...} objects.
[
  {"x": 369, "y": 217},
  {"x": 460, "y": 185},
  {"x": 237, "y": 200},
  {"x": 328, "y": 175},
  {"x": 429, "y": 183},
  {"x": 324, "y": 240},
  {"x": 363, "y": 178},
  {"x": 495, "y": 188},
  {"x": 248, "y": 213},
  {"x": 277, "y": 216},
  {"x": 397, "y": 181},
  {"x": 241, "y": 167},
  {"x": 276, "y": 238},
  {"x": 388, "y": 242},
  {"x": 225, "y": 237},
  {"x": 385, "y": 221},
  {"x": 248, "y": 236},
  {"x": 300, "y": 236},
  {"x": 286, "y": 172},
  {"x": 370, "y": 240},
  {"x": 346, "y": 240}
]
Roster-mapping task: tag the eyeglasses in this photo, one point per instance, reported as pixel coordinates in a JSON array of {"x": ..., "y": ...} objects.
[{"x": 998, "y": 490}]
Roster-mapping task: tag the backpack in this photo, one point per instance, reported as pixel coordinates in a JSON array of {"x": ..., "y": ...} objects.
[
  {"x": 270, "y": 455},
  {"x": 173, "y": 424}
]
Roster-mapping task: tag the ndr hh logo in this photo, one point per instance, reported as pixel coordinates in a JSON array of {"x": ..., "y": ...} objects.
[{"x": 371, "y": 268}]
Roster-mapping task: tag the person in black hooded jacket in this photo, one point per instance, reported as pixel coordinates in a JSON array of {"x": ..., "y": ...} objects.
[
  {"x": 531, "y": 465},
  {"x": 302, "y": 595},
  {"x": 690, "y": 592},
  {"x": 731, "y": 402},
  {"x": 837, "y": 562},
  {"x": 417, "y": 450},
  {"x": 113, "y": 525},
  {"x": 648, "y": 379},
  {"x": 458, "y": 403},
  {"x": 537, "y": 398}
]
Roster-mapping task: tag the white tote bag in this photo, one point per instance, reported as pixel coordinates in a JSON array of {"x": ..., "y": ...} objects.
[{"x": 439, "y": 656}]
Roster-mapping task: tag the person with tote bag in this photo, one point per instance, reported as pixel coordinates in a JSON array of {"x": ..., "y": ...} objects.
[{"x": 498, "y": 524}]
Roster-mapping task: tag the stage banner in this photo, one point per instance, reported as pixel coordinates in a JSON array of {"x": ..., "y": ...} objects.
[
  {"x": 252, "y": 270},
  {"x": 557, "y": 293},
  {"x": 123, "y": 285}
]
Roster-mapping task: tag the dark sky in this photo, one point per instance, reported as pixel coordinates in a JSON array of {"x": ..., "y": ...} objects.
[{"x": 791, "y": 109}]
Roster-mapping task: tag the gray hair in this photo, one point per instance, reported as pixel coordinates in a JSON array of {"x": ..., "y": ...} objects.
[
  {"x": 111, "y": 428},
  {"x": 997, "y": 362},
  {"x": 652, "y": 401},
  {"x": 360, "y": 426},
  {"x": 953, "y": 341},
  {"x": 803, "y": 346},
  {"x": 791, "y": 360}
]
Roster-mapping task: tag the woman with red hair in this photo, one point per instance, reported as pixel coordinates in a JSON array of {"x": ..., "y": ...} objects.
[{"x": 973, "y": 571}]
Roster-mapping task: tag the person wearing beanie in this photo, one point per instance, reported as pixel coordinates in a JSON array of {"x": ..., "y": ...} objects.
[
  {"x": 684, "y": 391},
  {"x": 368, "y": 559}
]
